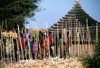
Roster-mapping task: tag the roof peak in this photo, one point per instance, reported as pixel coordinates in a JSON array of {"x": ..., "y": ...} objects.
[
  {"x": 77, "y": 3},
  {"x": 77, "y": 0}
]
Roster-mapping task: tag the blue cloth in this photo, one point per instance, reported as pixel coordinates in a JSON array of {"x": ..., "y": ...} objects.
[{"x": 31, "y": 46}]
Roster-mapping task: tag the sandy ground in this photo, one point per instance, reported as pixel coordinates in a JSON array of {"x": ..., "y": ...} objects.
[{"x": 47, "y": 63}]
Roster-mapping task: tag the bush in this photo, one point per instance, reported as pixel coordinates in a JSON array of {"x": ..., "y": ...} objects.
[{"x": 93, "y": 62}]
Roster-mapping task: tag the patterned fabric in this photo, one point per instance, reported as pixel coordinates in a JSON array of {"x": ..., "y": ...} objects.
[{"x": 34, "y": 49}]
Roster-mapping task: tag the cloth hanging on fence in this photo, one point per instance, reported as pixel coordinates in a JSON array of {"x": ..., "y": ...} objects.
[
  {"x": 31, "y": 46},
  {"x": 26, "y": 35},
  {"x": 42, "y": 52},
  {"x": 34, "y": 49},
  {"x": 50, "y": 40},
  {"x": 21, "y": 43},
  {"x": 46, "y": 43}
]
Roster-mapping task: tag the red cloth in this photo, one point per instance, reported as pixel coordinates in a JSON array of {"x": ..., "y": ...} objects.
[
  {"x": 42, "y": 52},
  {"x": 50, "y": 40},
  {"x": 44, "y": 45},
  {"x": 21, "y": 43}
]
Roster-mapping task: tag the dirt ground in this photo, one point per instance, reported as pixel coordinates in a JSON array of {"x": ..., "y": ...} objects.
[{"x": 47, "y": 63}]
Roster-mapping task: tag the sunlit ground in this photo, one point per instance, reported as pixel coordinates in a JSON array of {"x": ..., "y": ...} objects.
[{"x": 47, "y": 63}]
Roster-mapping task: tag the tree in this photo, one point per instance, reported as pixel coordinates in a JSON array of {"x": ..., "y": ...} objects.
[{"x": 13, "y": 12}]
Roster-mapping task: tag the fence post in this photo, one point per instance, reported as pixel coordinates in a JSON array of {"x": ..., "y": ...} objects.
[
  {"x": 88, "y": 37},
  {"x": 96, "y": 32}
]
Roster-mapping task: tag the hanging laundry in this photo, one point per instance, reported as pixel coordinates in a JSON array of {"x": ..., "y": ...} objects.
[{"x": 34, "y": 49}]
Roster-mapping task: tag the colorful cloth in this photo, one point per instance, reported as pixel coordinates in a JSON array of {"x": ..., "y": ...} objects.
[
  {"x": 50, "y": 40},
  {"x": 21, "y": 43},
  {"x": 26, "y": 35},
  {"x": 42, "y": 52},
  {"x": 34, "y": 49},
  {"x": 31, "y": 46}
]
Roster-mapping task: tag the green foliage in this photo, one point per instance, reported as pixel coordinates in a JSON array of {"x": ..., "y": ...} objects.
[
  {"x": 13, "y": 12},
  {"x": 97, "y": 49},
  {"x": 93, "y": 62}
]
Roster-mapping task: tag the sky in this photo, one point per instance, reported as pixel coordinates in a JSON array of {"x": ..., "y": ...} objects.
[{"x": 53, "y": 10}]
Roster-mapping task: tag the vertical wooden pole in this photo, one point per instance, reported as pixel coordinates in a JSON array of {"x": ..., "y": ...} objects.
[
  {"x": 84, "y": 39},
  {"x": 62, "y": 48},
  {"x": 79, "y": 38},
  {"x": 29, "y": 47},
  {"x": 18, "y": 51},
  {"x": 48, "y": 42},
  {"x": 2, "y": 49},
  {"x": 13, "y": 56},
  {"x": 64, "y": 37},
  {"x": 0, "y": 45},
  {"x": 55, "y": 43},
  {"x": 74, "y": 24},
  {"x": 71, "y": 46},
  {"x": 76, "y": 37},
  {"x": 22, "y": 56},
  {"x": 36, "y": 47},
  {"x": 88, "y": 37},
  {"x": 44, "y": 44},
  {"x": 11, "y": 49},
  {"x": 96, "y": 32},
  {"x": 1, "y": 42},
  {"x": 57, "y": 40},
  {"x": 66, "y": 41},
  {"x": 81, "y": 52},
  {"x": 70, "y": 36}
]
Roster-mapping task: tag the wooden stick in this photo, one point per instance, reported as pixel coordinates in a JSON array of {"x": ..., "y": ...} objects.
[
  {"x": 84, "y": 39},
  {"x": 18, "y": 53},
  {"x": 62, "y": 44},
  {"x": 88, "y": 36},
  {"x": 36, "y": 47},
  {"x": 44, "y": 44},
  {"x": 75, "y": 36},
  {"x": 52, "y": 44},
  {"x": 20, "y": 42},
  {"x": 13, "y": 52},
  {"x": 66, "y": 40},
  {"x": 1, "y": 44},
  {"x": 55, "y": 44},
  {"x": 10, "y": 50},
  {"x": 58, "y": 46},
  {"x": 96, "y": 32},
  {"x": 29, "y": 47},
  {"x": 79, "y": 38}
]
